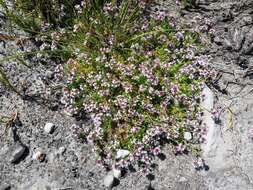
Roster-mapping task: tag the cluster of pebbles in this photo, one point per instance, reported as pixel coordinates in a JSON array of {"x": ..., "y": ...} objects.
[{"x": 19, "y": 151}]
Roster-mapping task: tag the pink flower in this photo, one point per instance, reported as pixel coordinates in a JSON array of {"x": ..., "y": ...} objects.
[
  {"x": 174, "y": 90},
  {"x": 180, "y": 148},
  {"x": 156, "y": 151}
]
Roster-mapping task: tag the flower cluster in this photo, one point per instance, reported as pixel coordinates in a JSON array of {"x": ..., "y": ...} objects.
[
  {"x": 138, "y": 82},
  {"x": 137, "y": 76}
]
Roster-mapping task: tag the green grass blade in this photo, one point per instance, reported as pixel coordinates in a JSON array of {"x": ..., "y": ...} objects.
[{"x": 5, "y": 81}]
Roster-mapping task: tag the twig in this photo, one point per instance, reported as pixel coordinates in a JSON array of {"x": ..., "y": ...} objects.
[
  {"x": 10, "y": 121},
  {"x": 65, "y": 188}
]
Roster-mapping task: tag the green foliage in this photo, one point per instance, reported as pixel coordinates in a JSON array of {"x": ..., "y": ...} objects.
[
  {"x": 5, "y": 81},
  {"x": 131, "y": 72}
]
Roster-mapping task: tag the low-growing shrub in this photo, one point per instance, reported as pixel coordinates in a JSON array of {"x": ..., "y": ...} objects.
[{"x": 136, "y": 74}]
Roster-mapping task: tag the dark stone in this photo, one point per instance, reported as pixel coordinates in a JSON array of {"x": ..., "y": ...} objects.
[
  {"x": 6, "y": 187},
  {"x": 19, "y": 153}
]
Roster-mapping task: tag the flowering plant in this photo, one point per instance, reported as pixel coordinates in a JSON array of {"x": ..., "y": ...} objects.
[
  {"x": 138, "y": 79},
  {"x": 136, "y": 74}
]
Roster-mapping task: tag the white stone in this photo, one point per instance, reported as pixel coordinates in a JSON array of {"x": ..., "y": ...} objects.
[
  {"x": 208, "y": 101},
  {"x": 39, "y": 156},
  {"x": 67, "y": 113},
  {"x": 122, "y": 153},
  {"x": 109, "y": 180},
  {"x": 116, "y": 173},
  {"x": 187, "y": 136},
  {"x": 212, "y": 131},
  {"x": 49, "y": 128},
  {"x": 182, "y": 179},
  {"x": 36, "y": 154},
  {"x": 61, "y": 150},
  {"x": 39, "y": 184}
]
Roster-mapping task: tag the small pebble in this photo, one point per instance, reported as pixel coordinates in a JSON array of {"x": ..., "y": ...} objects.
[
  {"x": 17, "y": 153},
  {"x": 61, "y": 150},
  {"x": 109, "y": 180},
  {"x": 49, "y": 74},
  {"x": 122, "y": 153},
  {"x": 49, "y": 128},
  {"x": 39, "y": 156},
  {"x": 58, "y": 137},
  {"x": 68, "y": 113},
  {"x": 218, "y": 40},
  {"x": 182, "y": 179},
  {"x": 187, "y": 136},
  {"x": 116, "y": 173},
  {"x": 6, "y": 187}
]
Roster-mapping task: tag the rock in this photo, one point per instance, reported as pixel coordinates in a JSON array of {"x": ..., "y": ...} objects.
[
  {"x": 212, "y": 131},
  {"x": 39, "y": 184},
  {"x": 246, "y": 20},
  {"x": 208, "y": 101},
  {"x": 49, "y": 128},
  {"x": 58, "y": 137},
  {"x": 49, "y": 74},
  {"x": 61, "y": 150},
  {"x": 238, "y": 38},
  {"x": 187, "y": 136},
  {"x": 122, "y": 153},
  {"x": 40, "y": 156},
  {"x": 227, "y": 44},
  {"x": 116, "y": 173},
  {"x": 67, "y": 113},
  {"x": 17, "y": 153},
  {"x": 227, "y": 15},
  {"x": 109, "y": 180},
  {"x": 247, "y": 47},
  {"x": 6, "y": 187},
  {"x": 182, "y": 179},
  {"x": 218, "y": 40}
]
